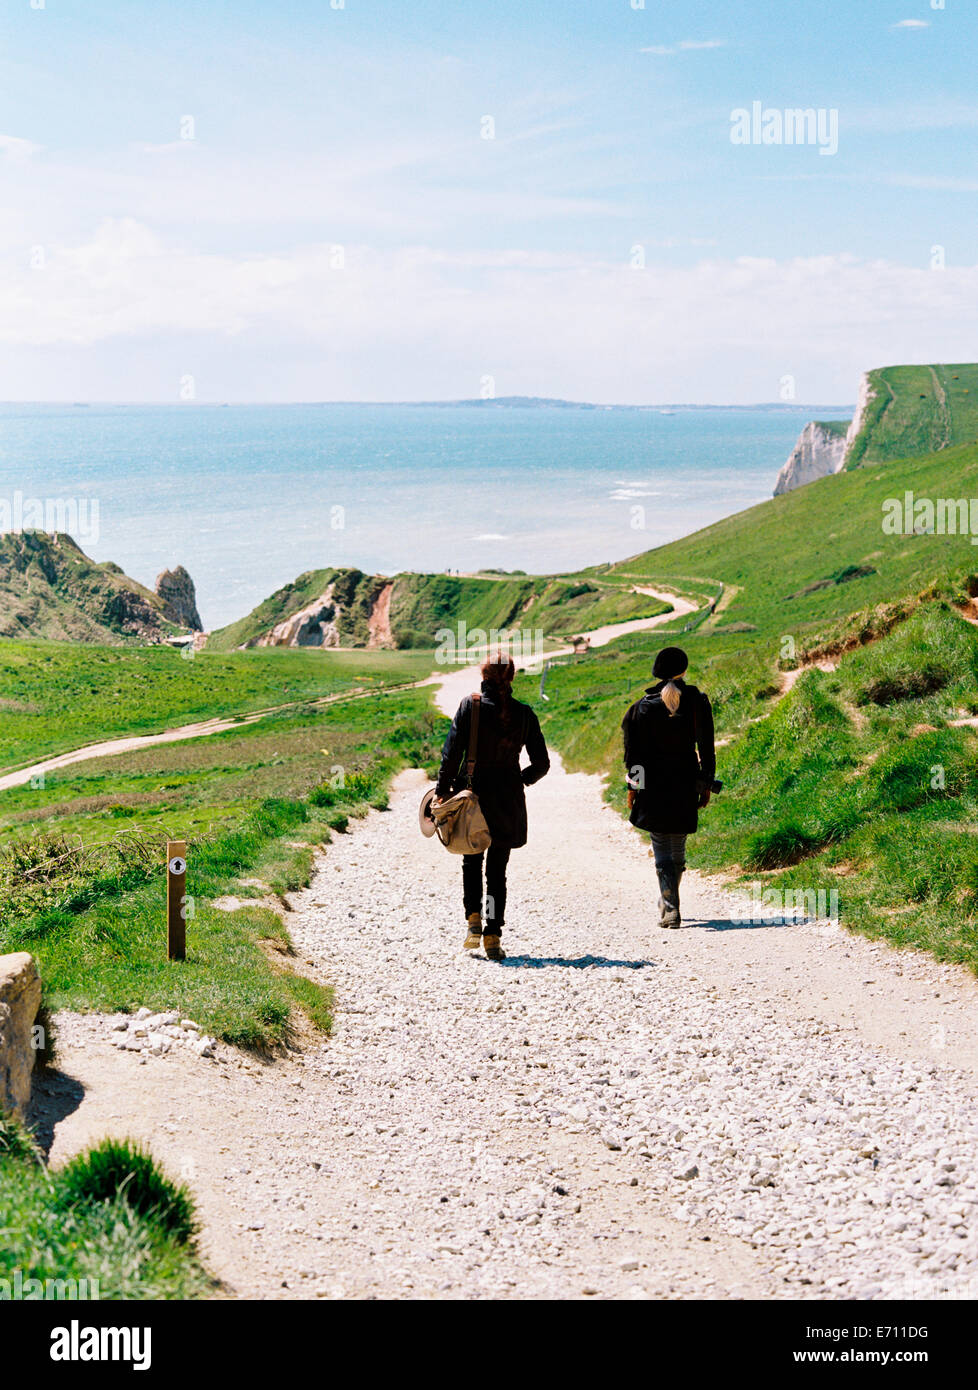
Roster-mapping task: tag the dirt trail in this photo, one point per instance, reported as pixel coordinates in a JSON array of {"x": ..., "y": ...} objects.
[
  {"x": 739, "y": 1108},
  {"x": 130, "y": 744},
  {"x": 789, "y": 679},
  {"x": 113, "y": 747},
  {"x": 380, "y": 632}
]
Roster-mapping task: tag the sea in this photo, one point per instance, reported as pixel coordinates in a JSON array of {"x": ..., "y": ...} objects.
[{"x": 247, "y": 497}]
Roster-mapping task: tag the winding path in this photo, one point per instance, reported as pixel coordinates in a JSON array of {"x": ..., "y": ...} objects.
[
  {"x": 203, "y": 729},
  {"x": 748, "y": 1107}
]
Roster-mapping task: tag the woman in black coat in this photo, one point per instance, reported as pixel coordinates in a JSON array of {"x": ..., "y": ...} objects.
[
  {"x": 667, "y": 781},
  {"x": 506, "y": 727}
]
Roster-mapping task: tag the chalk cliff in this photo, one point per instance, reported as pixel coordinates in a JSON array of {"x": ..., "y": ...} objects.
[
  {"x": 314, "y": 625},
  {"x": 855, "y": 442},
  {"x": 821, "y": 449}
]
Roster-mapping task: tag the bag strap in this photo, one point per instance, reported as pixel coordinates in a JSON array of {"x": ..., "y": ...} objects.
[{"x": 473, "y": 747}]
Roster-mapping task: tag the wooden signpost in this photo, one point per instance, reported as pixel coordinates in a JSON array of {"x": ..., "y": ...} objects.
[{"x": 176, "y": 897}]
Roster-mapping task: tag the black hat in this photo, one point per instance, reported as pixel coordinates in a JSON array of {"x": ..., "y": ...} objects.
[{"x": 670, "y": 663}]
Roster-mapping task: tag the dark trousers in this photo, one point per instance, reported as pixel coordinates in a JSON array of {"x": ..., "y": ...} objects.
[
  {"x": 669, "y": 852},
  {"x": 496, "y": 857}
]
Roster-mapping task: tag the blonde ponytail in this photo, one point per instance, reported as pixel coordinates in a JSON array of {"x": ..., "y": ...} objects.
[{"x": 671, "y": 695}]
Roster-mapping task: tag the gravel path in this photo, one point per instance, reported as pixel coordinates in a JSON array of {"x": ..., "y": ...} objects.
[
  {"x": 614, "y": 1111},
  {"x": 737, "y": 1109}
]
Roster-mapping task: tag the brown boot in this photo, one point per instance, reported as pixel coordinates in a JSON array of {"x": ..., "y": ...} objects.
[
  {"x": 493, "y": 949},
  {"x": 473, "y": 941}
]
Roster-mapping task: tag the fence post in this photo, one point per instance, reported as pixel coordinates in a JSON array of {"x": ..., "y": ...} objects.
[{"x": 176, "y": 892}]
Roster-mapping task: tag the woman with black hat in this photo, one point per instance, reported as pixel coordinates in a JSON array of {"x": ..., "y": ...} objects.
[{"x": 667, "y": 781}]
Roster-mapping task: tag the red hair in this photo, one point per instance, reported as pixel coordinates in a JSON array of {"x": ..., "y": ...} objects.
[{"x": 499, "y": 669}]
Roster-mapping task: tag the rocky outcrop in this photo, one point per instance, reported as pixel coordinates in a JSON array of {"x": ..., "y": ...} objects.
[
  {"x": 20, "y": 999},
  {"x": 821, "y": 450},
  {"x": 321, "y": 608},
  {"x": 176, "y": 589},
  {"x": 50, "y": 588},
  {"x": 315, "y": 625}
]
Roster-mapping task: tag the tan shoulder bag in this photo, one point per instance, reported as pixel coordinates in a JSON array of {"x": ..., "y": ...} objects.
[{"x": 459, "y": 822}]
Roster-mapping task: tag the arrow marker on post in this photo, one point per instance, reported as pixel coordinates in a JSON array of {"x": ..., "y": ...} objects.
[{"x": 176, "y": 891}]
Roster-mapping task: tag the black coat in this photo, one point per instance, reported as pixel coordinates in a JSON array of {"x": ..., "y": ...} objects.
[
  {"x": 499, "y": 780},
  {"x": 661, "y": 760}
]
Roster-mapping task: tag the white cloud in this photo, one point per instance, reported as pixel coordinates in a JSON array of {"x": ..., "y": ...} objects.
[
  {"x": 423, "y": 323},
  {"x": 18, "y": 150},
  {"x": 684, "y": 46},
  {"x": 911, "y": 24},
  {"x": 407, "y": 189}
]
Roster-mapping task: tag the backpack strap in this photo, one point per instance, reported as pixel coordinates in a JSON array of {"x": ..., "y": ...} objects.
[{"x": 473, "y": 747}]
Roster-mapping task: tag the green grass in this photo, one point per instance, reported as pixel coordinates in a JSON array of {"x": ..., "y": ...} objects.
[
  {"x": 424, "y": 604},
  {"x": 569, "y": 606},
  {"x": 856, "y": 781},
  {"x": 915, "y": 411},
  {"x": 771, "y": 556},
  {"x": 118, "y": 1168},
  {"x": 115, "y": 691},
  {"x": 876, "y": 801},
  {"x": 837, "y": 427},
  {"x": 353, "y": 597},
  {"x": 111, "y": 1216},
  {"x": 81, "y": 868},
  {"x": 50, "y": 588},
  {"x": 561, "y": 606}
]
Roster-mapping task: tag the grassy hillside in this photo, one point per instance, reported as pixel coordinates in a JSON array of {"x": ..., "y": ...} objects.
[
  {"x": 561, "y": 607},
  {"x": 917, "y": 410},
  {"x": 423, "y": 604},
  {"x": 420, "y": 604},
  {"x": 50, "y": 588},
  {"x": 858, "y": 780},
  {"x": 803, "y": 562},
  {"x": 112, "y": 691},
  {"x": 354, "y": 594},
  {"x": 81, "y": 882},
  {"x": 569, "y": 605},
  {"x": 81, "y": 858}
]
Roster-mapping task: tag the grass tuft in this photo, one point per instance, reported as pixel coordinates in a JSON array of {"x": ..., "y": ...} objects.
[{"x": 120, "y": 1170}]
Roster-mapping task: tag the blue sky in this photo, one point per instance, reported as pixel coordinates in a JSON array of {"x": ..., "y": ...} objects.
[{"x": 338, "y": 227}]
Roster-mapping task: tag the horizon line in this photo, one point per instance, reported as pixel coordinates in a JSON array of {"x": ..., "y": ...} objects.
[{"x": 462, "y": 400}]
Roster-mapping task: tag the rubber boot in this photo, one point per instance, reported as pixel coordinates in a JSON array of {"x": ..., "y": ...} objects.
[{"x": 473, "y": 940}]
